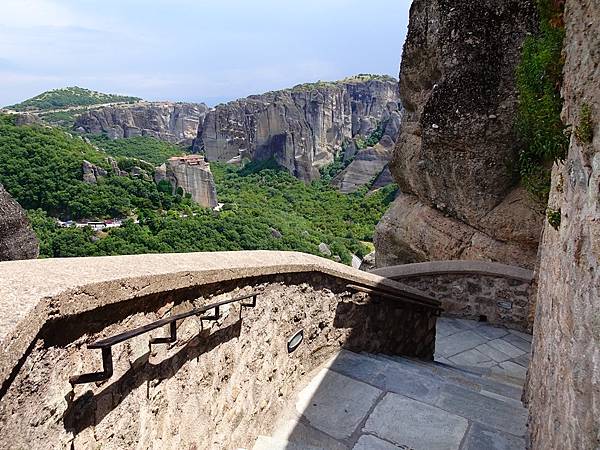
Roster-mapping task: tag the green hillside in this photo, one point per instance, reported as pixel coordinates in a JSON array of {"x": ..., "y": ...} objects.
[
  {"x": 69, "y": 97},
  {"x": 142, "y": 147},
  {"x": 42, "y": 168}
]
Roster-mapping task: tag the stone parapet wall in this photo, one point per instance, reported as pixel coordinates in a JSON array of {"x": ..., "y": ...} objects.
[
  {"x": 222, "y": 383},
  {"x": 472, "y": 289}
]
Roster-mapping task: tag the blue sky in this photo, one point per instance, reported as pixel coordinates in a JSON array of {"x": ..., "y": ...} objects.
[{"x": 193, "y": 50}]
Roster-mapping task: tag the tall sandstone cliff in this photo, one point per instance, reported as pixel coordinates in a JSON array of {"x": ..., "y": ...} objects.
[
  {"x": 172, "y": 122},
  {"x": 302, "y": 128},
  {"x": 457, "y": 140},
  {"x": 564, "y": 375},
  {"x": 17, "y": 240},
  {"x": 192, "y": 174}
]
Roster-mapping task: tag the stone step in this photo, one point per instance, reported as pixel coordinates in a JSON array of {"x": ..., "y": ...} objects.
[
  {"x": 269, "y": 443},
  {"x": 466, "y": 379}
]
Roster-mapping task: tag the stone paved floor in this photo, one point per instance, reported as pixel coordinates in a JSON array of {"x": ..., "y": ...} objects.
[{"x": 469, "y": 399}]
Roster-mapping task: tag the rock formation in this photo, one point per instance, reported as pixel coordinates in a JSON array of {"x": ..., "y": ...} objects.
[
  {"x": 172, "y": 122},
  {"x": 457, "y": 140},
  {"x": 302, "y": 128},
  {"x": 192, "y": 174},
  {"x": 366, "y": 167},
  {"x": 91, "y": 172},
  {"x": 564, "y": 376},
  {"x": 17, "y": 239}
]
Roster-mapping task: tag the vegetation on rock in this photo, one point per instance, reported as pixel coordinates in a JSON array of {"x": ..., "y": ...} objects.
[
  {"x": 141, "y": 147},
  {"x": 539, "y": 78},
  {"x": 584, "y": 132},
  {"x": 69, "y": 97}
]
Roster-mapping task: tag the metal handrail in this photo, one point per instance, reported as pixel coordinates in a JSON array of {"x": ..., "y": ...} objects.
[{"x": 106, "y": 344}]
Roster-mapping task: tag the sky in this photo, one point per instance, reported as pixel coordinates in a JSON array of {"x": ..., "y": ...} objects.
[{"x": 193, "y": 50}]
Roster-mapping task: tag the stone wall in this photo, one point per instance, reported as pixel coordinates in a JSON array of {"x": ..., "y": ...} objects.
[
  {"x": 222, "y": 383},
  {"x": 564, "y": 375},
  {"x": 457, "y": 139},
  {"x": 496, "y": 293}
]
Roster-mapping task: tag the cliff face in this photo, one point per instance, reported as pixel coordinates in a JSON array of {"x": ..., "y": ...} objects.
[
  {"x": 173, "y": 122},
  {"x": 193, "y": 175},
  {"x": 303, "y": 128},
  {"x": 564, "y": 375},
  {"x": 457, "y": 138},
  {"x": 17, "y": 240}
]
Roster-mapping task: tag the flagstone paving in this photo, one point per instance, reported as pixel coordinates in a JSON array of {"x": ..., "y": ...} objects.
[{"x": 468, "y": 399}]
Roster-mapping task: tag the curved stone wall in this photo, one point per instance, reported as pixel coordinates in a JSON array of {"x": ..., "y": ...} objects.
[
  {"x": 222, "y": 383},
  {"x": 478, "y": 290}
]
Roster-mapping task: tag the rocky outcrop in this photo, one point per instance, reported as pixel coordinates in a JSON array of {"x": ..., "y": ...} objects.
[
  {"x": 172, "y": 122},
  {"x": 192, "y": 174},
  {"x": 564, "y": 375},
  {"x": 92, "y": 173},
  {"x": 302, "y": 128},
  {"x": 366, "y": 167},
  {"x": 17, "y": 239},
  {"x": 457, "y": 140}
]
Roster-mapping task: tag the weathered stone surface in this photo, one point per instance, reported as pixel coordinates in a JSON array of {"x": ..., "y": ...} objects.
[
  {"x": 458, "y": 137},
  {"x": 336, "y": 404},
  {"x": 17, "y": 239},
  {"x": 302, "y": 128},
  {"x": 564, "y": 376},
  {"x": 192, "y": 174},
  {"x": 367, "y": 166},
  {"x": 503, "y": 301},
  {"x": 92, "y": 173},
  {"x": 414, "y": 232},
  {"x": 410, "y": 423},
  {"x": 173, "y": 122}
]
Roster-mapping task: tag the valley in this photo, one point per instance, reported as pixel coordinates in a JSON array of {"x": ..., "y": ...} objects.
[{"x": 300, "y": 169}]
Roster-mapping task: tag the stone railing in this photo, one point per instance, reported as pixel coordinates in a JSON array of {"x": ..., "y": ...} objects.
[
  {"x": 222, "y": 382},
  {"x": 477, "y": 290}
]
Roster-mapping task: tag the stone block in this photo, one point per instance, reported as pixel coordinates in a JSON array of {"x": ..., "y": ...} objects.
[
  {"x": 406, "y": 422},
  {"x": 488, "y": 411},
  {"x": 481, "y": 438},
  {"x": 336, "y": 404},
  {"x": 368, "y": 442},
  {"x": 458, "y": 343}
]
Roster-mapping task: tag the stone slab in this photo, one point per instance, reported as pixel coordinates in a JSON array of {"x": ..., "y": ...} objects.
[
  {"x": 457, "y": 343},
  {"x": 299, "y": 433},
  {"x": 368, "y": 442},
  {"x": 491, "y": 332},
  {"x": 416, "y": 425},
  {"x": 481, "y": 438},
  {"x": 472, "y": 358},
  {"x": 510, "y": 369},
  {"x": 336, "y": 404},
  {"x": 488, "y": 411},
  {"x": 518, "y": 342},
  {"x": 493, "y": 353},
  {"x": 505, "y": 347}
]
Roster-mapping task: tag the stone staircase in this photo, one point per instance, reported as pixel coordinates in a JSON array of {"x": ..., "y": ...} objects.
[{"x": 467, "y": 399}]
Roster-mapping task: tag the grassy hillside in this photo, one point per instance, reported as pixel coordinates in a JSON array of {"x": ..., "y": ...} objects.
[{"x": 67, "y": 98}]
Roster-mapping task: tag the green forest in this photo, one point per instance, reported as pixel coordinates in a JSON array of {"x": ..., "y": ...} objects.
[
  {"x": 69, "y": 97},
  {"x": 264, "y": 207}
]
